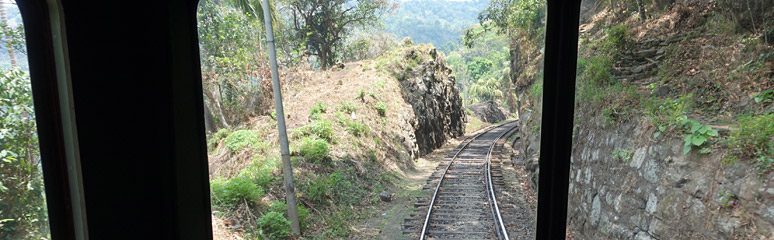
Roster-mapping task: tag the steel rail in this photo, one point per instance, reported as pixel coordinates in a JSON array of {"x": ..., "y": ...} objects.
[
  {"x": 502, "y": 233},
  {"x": 440, "y": 181}
]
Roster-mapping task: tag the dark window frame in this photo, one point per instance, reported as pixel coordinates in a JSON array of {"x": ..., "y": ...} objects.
[{"x": 559, "y": 90}]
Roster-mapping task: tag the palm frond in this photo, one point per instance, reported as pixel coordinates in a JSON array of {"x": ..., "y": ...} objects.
[{"x": 253, "y": 9}]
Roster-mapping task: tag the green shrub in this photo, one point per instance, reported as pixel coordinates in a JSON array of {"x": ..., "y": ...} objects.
[
  {"x": 597, "y": 71},
  {"x": 314, "y": 150},
  {"x": 240, "y": 139},
  {"x": 23, "y": 212},
  {"x": 357, "y": 128},
  {"x": 232, "y": 192},
  {"x": 321, "y": 129},
  {"x": 697, "y": 135},
  {"x": 317, "y": 110},
  {"x": 217, "y": 136},
  {"x": 346, "y": 107},
  {"x": 596, "y": 85},
  {"x": 616, "y": 37},
  {"x": 381, "y": 108},
  {"x": 262, "y": 172},
  {"x": 667, "y": 114},
  {"x": 332, "y": 187},
  {"x": 317, "y": 190},
  {"x": 754, "y": 138},
  {"x": 274, "y": 225},
  {"x": 282, "y": 207}
]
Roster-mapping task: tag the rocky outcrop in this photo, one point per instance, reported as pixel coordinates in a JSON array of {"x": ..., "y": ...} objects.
[
  {"x": 487, "y": 112},
  {"x": 427, "y": 85}
]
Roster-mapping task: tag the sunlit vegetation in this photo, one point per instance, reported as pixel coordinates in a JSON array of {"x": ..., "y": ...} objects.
[
  {"x": 428, "y": 21},
  {"x": 23, "y": 213},
  {"x": 482, "y": 68}
]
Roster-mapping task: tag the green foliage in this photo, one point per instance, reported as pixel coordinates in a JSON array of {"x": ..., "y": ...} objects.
[
  {"x": 479, "y": 67},
  {"x": 333, "y": 187},
  {"x": 536, "y": 89},
  {"x": 697, "y": 135},
  {"x": 763, "y": 164},
  {"x": 381, "y": 108},
  {"x": 482, "y": 67},
  {"x": 240, "y": 139},
  {"x": 486, "y": 89},
  {"x": 346, "y": 107},
  {"x": 229, "y": 54},
  {"x": 725, "y": 198},
  {"x": 753, "y": 139},
  {"x": 597, "y": 86},
  {"x": 317, "y": 110},
  {"x": 624, "y": 155},
  {"x": 596, "y": 70},
  {"x": 261, "y": 172},
  {"x": 765, "y": 96},
  {"x": 427, "y": 21},
  {"x": 217, "y": 136},
  {"x": 525, "y": 16},
  {"x": 303, "y": 212},
  {"x": 238, "y": 190},
  {"x": 667, "y": 114},
  {"x": 22, "y": 202},
  {"x": 357, "y": 129},
  {"x": 616, "y": 37},
  {"x": 615, "y": 113},
  {"x": 322, "y": 25},
  {"x": 755, "y": 63},
  {"x": 339, "y": 224},
  {"x": 322, "y": 129},
  {"x": 314, "y": 150},
  {"x": 274, "y": 225}
]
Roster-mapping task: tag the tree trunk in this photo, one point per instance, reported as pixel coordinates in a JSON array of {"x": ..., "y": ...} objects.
[
  {"x": 8, "y": 42},
  {"x": 221, "y": 123},
  {"x": 324, "y": 57},
  {"x": 209, "y": 120}
]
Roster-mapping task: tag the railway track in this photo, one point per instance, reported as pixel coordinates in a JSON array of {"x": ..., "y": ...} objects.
[{"x": 464, "y": 204}]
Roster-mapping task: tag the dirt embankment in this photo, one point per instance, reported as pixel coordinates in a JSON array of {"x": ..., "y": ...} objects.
[{"x": 382, "y": 115}]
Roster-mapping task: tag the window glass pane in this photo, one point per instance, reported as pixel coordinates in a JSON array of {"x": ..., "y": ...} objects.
[
  {"x": 379, "y": 97},
  {"x": 23, "y": 212},
  {"x": 674, "y": 128}
]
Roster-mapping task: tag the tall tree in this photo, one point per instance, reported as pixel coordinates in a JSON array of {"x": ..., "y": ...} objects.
[
  {"x": 6, "y": 28},
  {"x": 523, "y": 21},
  {"x": 322, "y": 24},
  {"x": 232, "y": 63}
]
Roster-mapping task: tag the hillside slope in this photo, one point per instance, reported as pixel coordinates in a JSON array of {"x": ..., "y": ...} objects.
[{"x": 353, "y": 130}]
